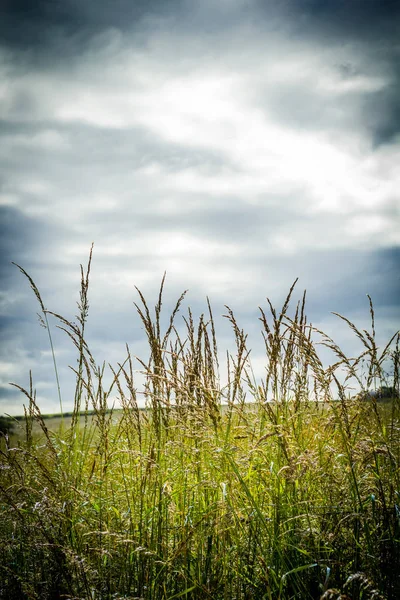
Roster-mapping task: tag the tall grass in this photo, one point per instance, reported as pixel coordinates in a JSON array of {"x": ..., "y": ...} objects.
[{"x": 274, "y": 489}]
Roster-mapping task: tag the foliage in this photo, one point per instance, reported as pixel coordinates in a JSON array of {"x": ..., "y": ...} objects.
[
  {"x": 273, "y": 490},
  {"x": 6, "y": 425}
]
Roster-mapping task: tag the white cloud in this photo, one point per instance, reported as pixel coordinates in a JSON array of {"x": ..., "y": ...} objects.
[{"x": 209, "y": 107}]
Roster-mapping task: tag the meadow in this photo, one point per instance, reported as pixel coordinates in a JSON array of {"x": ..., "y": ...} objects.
[{"x": 274, "y": 489}]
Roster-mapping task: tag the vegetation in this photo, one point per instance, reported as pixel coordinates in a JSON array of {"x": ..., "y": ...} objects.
[
  {"x": 6, "y": 425},
  {"x": 275, "y": 489}
]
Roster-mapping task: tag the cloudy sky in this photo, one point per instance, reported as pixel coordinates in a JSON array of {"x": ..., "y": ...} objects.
[{"x": 235, "y": 144}]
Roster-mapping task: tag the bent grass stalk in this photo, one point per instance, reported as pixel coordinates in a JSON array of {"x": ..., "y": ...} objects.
[{"x": 44, "y": 323}]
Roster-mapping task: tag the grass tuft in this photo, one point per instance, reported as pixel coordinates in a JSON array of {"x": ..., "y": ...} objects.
[{"x": 271, "y": 489}]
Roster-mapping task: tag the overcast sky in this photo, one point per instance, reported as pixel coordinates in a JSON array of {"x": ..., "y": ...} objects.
[{"x": 235, "y": 144}]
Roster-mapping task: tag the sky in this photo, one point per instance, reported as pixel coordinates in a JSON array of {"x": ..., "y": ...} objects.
[{"x": 234, "y": 144}]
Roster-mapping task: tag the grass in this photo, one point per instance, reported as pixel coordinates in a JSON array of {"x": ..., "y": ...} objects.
[{"x": 211, "y": 492}]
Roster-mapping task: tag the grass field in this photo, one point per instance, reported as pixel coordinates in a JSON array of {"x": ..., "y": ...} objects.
[{"x": 203, "y": 494}]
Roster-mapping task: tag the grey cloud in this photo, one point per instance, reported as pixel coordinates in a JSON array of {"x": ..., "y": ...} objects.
[
  {"x": 227, "y": 219},
  {"x": 30, "y": 24},
  {"x": 352, "y": 275},
  {"x": 368, "y": 29},
  {"x": 7, "y": 392},
  {"x": 377, "y": 113},
  {"x": 81, "y": 170},
  {"x": 18, "y": 232},
  {"x": 340, "y": 19},
  {"x": 342, "y": 27},
  {"x": 298, "y": 107},
  {"x": 38, "y": 25},
  {"x": 26, "y": 239},
  {"x": 10, "y": 396},
  {"x": 386, "y": 268},
  {"x": 132, "y": 148},
  {"x": 123, "y": 151},
  {"x": 381, "y": 113}
]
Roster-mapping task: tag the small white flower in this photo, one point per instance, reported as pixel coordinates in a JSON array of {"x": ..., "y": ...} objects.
[{"x": 224, "y": 492}]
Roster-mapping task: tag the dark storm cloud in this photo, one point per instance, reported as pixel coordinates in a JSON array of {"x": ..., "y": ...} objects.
[
  {"x": 352, "y": 275},
  {"x": 8, "y": 393},
  {"x": 27, "y": 23},
  {"x": 17, "y": 233},
  {"x": 35, "y": 24},
  {"x": 386, "y": 268},
  {"x": 24, "y": 240},
  {"x": 372, "y": 26},
  {"x": 381, "y": 112},
  {"x": 342, "y": 20},
  {"x": 372, "y": 29},
  {"x": 19, "y": 238}
]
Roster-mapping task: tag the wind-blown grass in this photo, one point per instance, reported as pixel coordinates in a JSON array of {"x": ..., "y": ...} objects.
[{"x": 277, "y": 489}]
